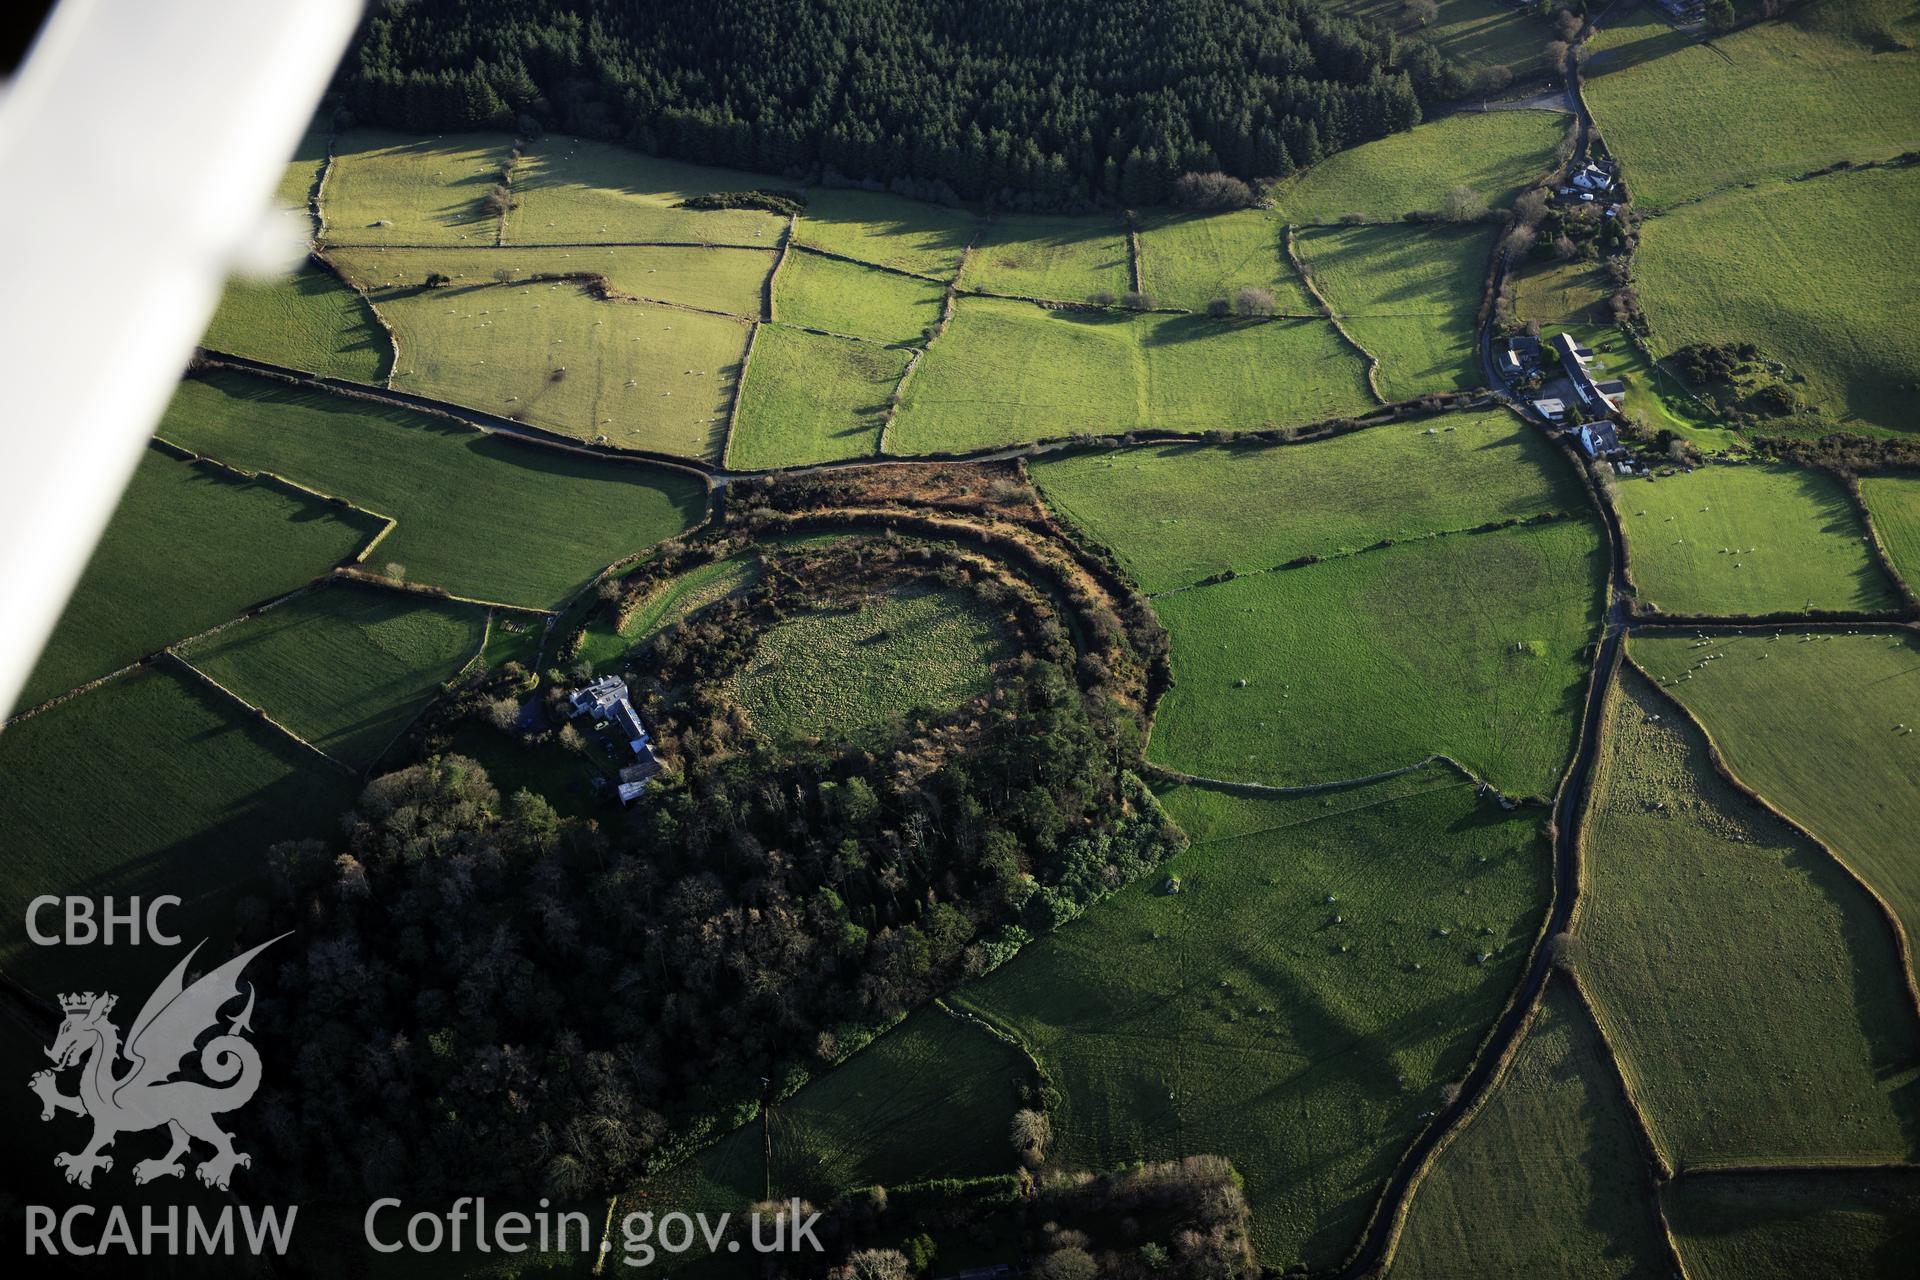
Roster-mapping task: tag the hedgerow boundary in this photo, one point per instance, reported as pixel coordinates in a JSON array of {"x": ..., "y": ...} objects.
[{"x": 1327, "y": 313}]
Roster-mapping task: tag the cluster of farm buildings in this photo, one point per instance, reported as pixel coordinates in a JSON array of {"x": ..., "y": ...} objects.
[
  {"x": 1583, "y": 408},
  {"x": 606, "y": 700}
]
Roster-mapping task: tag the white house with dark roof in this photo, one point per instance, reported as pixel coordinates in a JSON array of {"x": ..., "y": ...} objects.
[{"x": 607, "y": 701}]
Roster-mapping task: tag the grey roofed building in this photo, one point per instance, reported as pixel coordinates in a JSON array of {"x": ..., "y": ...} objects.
[
  {"x": 1599, "y": 439},
  {"x": 1550, "y": 408},
  {"x": 1519, "y": 355}
]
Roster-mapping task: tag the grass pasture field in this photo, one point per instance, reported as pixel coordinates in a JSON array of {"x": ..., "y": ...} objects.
[
  {"x": 1750, "y": 539},
  {"x": 188, "y": 547},
  {"x": 811, "y": 398},
  {"x": 1497, "y": 153},
  {"x": 1894, "y": 503},
  {"x": 1483, "y": 34},
  {"x": 1558, "y": 294},
  {"x": 346, "y": 667},
  {"x": 393, "y": 188},
  {"x": 730, "y": 280},
  {"x": 1177, "y": 513},
  {"x": 1190, "y": 259},
  {"x": 1815, "y": 722},
  {"x": 150, "y": 784},
  {"x": 311, "y": 322},
  {"x": 1049, "y": 256},
  {"x": 1410, "y": 296},
  {"x": 826, "y": 293},
  {"x": 1711, "y": 936},
  {"x": 630, "y": 373},
  {"x": 847, "y": 673},
  {"x": 1472, "y": 645},
  {"x": 1549, "y": 1178},
  {"x": 889, "y": 230},
  {"x": 575, "y": 191},
  {"x": 1774, "y": 100},
  {"x": 1297, "y": 1006},
  {"x": 1863, "y": 1225},
  {"x": 1006, "y": 372},
  {"x": 932, "y": 1098},
  {"x": 478, "y": 515},
  {"x": 1801, "y": 270}
]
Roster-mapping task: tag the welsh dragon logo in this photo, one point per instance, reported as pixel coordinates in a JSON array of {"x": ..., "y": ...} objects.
[{"x": 145, "y": 1095}]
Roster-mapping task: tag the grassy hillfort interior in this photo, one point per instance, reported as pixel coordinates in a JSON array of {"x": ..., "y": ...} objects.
[{"x": 1213, "y": 639}]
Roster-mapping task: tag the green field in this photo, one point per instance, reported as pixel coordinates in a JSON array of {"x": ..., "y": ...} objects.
[
  {"x": 932, "y": 1098},
  {"x": 1044, "y": 256},
  {"x": 573, "y": 191},
  {"x": 1750, "y": 539},
  {"x": 311, "y": 322},
  {"x": 391, "y": 188},
  {"x": 479, "y": 515},
  {"x": 1237, "y": 1018},
  {"x": 348, "y": 667},
  {"x": 1813, "y": 724},
  {"x": 150, "y": 784},
  {"x": 1558, "y": 294},
  {"x": 188, "y": 547},
  {"x": 1190, "y": 259},
  {"x": 1894, "y": 504},
  {"x": 631, "y": 374},
  {"x": 909, "y": 235},
  {"x": 1773, "y": 101},
  {"x": 729, "y": 280},
  {"x": 1865, "y": 1226},
  {"x": 1498, "y": 154},
  {"x": 1410, "y": 296},
  {"x": 605, "y": 643},
  {"x": 1005, "y": 372},
  {"x": 1801, "y": 270},
  {"x": 811, "y": 398},
  {"x": 848, "y": 674},
  {"x": 1177, "y": 513},
  {"x": 1657, "y": 398},
  {"x": 825, "y": 293},
  {"x": 1711, "y": 938},
  {"x": 1480, "y": 33},
  {"x": 1471, "y": 645},
  {"x": 1548, "y": 1179}
]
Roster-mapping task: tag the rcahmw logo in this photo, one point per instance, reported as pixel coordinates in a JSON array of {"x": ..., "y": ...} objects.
[{"x": 144, "y": 1095}]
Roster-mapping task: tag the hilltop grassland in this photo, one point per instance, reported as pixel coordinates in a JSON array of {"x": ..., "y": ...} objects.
[
  {"x": 1804, "y": 271},
  {"x": 150, "y": 784},
  {"x": 1007, "y": 372},
  {"x": 1498, "y": 154},
  {"x": 478, "y": 515},
  {"x": 348, "y": 667},
  {"x": 1473, "y": 645},
  {"x": 1817, "y": 723},
  {"x": 1190, "y": 260},
  {"x": 311, "y": 322},
  {"x": 187, "y": 548},
  {"x": 825, "y": 293},
  {"x": 607, "y": 639},
  {"x": 733, "y": 281},
  {"x": 1410, "y": 296},
  {"x": 1894, "y": 503},
  {"x": 392, "y": 188},
  {"x": 847, "y": 674},
  {"x": 888, "y": 230},
  {"x": 1750, "y": 539},
  {"x": 810, "y": 398},
  {"x": 1297, "y": 1007},
  {"x": 1775, "y": 100},
  {"x": 1750, "y": 986},
  {"x": 576, "y": 191},
  {"x": 628, "y": 373},
  {"x": 1177, "y": 513},
  {"x": 1043, "y": 256},
  {"x": 1862, "y": 1225},
  {"x": 1549, "y": 1178}
]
